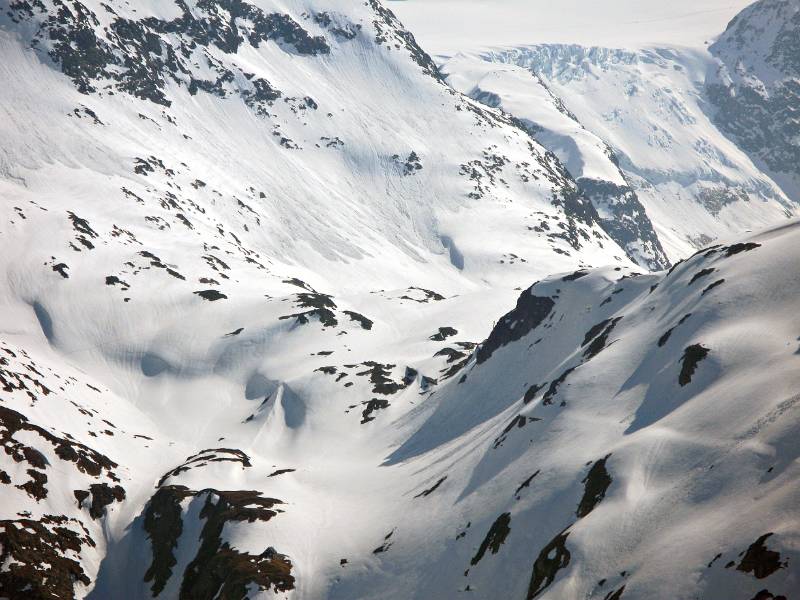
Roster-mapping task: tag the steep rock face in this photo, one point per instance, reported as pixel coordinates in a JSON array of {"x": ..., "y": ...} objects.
[
  {"x": 625, "y": 220},
  {"x": 757, "y": 88}
]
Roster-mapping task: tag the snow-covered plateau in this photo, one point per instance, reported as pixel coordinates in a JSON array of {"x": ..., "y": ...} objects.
[{"x": 290, "y": 308}]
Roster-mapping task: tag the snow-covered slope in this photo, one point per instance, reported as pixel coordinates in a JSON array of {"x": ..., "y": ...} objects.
[
  {"x": 650, "y": 107},
  {"x": 589, "y": 160},
  {"x": 254, "y": 259},
  {"x": 630, "y": 437},
  {"x": 678, "y": 144}
]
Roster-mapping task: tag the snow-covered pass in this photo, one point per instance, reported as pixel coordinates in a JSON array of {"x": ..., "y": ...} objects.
[{"x": 290, "y": 308}]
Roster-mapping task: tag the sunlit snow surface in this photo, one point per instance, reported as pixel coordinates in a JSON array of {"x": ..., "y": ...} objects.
[
  {"x": 237, "y": 354},
  {"x": 638, "y": 79}
]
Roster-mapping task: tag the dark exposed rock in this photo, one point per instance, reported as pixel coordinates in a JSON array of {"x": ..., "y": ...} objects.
[
  {"x": 23, "y": 376},
  {"x": 140, "y": 57},
  {"x": 299, "y": 283},
  {"x": 598, "y": 341},
  {"x": 711, "y": 286},
  {"x": 61, "y": 269},
  {"x": 626, "y": 222},
  {"x": 163, "y": 524},
  {"x": 80, "y": 496},
  {"x": 219, "y": 570},
  {"x": 155, "y": 261},
  {"x": 432, "y": 489},
  {"x": 114, "y": 280},
  {"x": 410, "y": 376},
  {"x": 553, "y": 557},
  {"x": 576, "y": 275},
  {"x": 692, "y": 355},
  {"x": 596, "y": 483},
  {"x": 389, "y": 31},
  {"x": 741, "y": 247},
  {"x": 759, "y": 560},
  {"x": 40, "y": 558},
  {"x": 554, "y": 385},
  {"x": 378, "y": 374},
  {"x": 457, "y": 359},
  {"x": 370, "y": 407},
  {"x": 495, "y": 537},
  {"x": 767, "y": 595},
  {"x": 716, "y": 198},
  {"x": 756, "y": 91},
  {"x": 594, "y": 331},
  {"x": 86, "y": 460},
  {"x": 531, "y": 392},
  {"x": 428, "y": 295},
  {"x": 322, "y": 308},
  {"x": 524, "y": 484},
  {"x": 528, "y": 314},
  {"x": 360, "y": 319},
  {"x": 519, "y": 422},
  {"x": 281, "y": 472},
  {"x": 35, "y": 486},
  {"x": 443, "y": 334},
  {"x": 211, "y": 295},
  {"x": 700, "y": 274},
  {"x": 665, "y": 337},
  {"x": 204, "y": 457},
  {"x": 386, "y": 543},
  {"x": 102, "y": 495},
  {"x": 615, "y": 595}
]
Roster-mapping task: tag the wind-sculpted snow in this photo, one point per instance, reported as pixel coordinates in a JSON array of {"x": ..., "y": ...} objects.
[
  {"x": 668, "y": 437},
  {"x": 278, "y": 336}
]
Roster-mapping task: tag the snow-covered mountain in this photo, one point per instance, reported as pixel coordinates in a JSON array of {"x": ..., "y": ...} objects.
[
  {"x": 589, "y": 159},
  {"x": 257, "y": 265},
  {"x": 681, "y": 146},
  {"x": 757, "y": 87}
]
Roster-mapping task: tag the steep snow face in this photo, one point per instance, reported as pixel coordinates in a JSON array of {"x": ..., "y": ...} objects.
[
  {"x": 757, "y": 88},
  {"x": 229, "y": 118}
]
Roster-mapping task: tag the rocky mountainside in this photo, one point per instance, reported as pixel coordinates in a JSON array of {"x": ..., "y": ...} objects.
[
  {"x": 698, "y": 144},
  {"x": 522, "y": 93},
  {"x": 757, "y": 88},
  {"x": 257, "y": 265}
]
